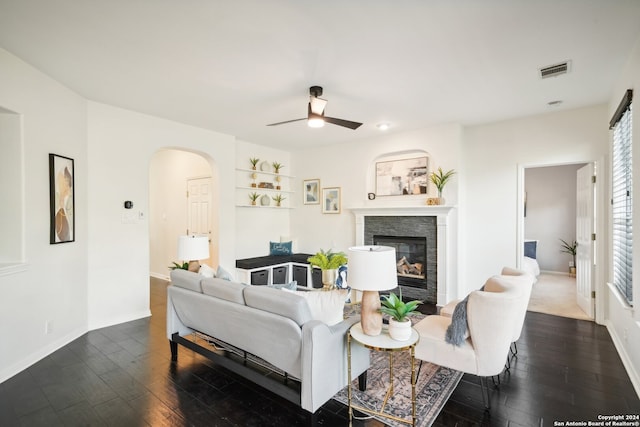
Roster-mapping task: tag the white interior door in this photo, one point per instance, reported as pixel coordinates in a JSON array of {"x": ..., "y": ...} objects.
[
  {"x": 199, "y": 201},
  {"x": 585, "y": 229}
]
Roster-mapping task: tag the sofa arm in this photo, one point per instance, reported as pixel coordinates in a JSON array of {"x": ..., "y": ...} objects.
[{"x": 324, "y": 361}]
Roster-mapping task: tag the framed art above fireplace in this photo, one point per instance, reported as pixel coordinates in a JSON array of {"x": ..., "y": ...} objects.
[{"x": 402, "y": 177}]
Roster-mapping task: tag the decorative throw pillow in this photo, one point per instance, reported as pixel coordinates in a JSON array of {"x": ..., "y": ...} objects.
[
  {"x": 291, "y": 286},
  {"x": 326, "y": 306},
  {"x": 206, "y": 271},
  {"x": 223, "y": 274},
  {"x": 279, "y": 248}
]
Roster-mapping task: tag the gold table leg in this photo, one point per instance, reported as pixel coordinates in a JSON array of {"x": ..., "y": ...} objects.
[
  {"x": 349, "y": 377},
  {"x": 413, "y": 384}
]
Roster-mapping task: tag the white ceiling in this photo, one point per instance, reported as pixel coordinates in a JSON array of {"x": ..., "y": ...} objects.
[{"x": 234, "y": 66}]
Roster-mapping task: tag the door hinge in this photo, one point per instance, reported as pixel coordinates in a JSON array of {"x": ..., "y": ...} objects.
[
  {"x": 593, "y": 236},
  {"x": 187, "y": 194},
  {"x": 593, "y": 179},
  {"x": 593, "y": 294}
]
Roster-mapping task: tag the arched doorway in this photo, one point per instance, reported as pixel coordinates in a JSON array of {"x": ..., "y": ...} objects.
[{"x": 170, "y": 171}]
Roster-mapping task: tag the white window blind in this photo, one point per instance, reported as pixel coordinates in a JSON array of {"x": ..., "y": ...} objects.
[{"x": 622, "y": 197}]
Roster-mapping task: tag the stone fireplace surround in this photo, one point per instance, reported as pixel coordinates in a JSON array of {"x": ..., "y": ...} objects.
[{"x": 443, "y": 269}]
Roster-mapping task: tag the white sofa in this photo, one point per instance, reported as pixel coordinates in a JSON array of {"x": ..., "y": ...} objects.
[{"x": 272, "y": 324}]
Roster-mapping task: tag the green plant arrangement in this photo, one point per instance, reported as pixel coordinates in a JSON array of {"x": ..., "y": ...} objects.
[
  {"x": 570, "y": 248},
  {"x": 277, "y": 166},
  {"x": 441, "y": 178},
  {"x": 176, "y": 266},
  {"x": 254, "y": 196},
  {"x": 254, "y": 161},
  {"x": 327, "y": 260},
  {"x": 398, "y": 310},
  {"x": 278, "y": 198}
]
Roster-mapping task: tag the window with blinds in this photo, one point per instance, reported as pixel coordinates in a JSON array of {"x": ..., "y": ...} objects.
[{"x": 622, "y": 197}]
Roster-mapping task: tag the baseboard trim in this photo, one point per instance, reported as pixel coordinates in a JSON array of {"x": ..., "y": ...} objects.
[
  {"x": 634, "y": 376},
  {"x": 40, "y": 354},
  {"x": 116, "y": 321}
]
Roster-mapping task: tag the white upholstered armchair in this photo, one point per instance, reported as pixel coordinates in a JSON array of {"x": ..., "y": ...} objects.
[
  {"x": 491, "y": 316},
  {"x": 519, "y": 278}
]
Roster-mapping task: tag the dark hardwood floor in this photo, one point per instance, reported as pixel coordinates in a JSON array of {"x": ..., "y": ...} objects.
[{"x": 566, "y": 370}]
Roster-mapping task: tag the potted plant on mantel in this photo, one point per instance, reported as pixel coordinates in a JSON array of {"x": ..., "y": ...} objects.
[
  {"x": 570, "y": 249},
  {"x": 328, "y": 262},
  {"x": 399, "y": 322},
  {"x": 440, "y": 179}
]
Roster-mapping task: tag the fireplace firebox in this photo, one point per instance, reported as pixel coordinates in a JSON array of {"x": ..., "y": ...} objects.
[{"x": 411, "y": 258}]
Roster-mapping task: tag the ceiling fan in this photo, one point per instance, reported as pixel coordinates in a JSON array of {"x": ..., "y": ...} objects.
[{"x": 315, "y": 115}]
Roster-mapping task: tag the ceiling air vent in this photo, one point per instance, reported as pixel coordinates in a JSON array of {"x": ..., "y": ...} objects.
[{"x": 554, "y": 70}]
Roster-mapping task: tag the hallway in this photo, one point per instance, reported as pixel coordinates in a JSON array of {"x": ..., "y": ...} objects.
[{"x": 556, "y": 294}]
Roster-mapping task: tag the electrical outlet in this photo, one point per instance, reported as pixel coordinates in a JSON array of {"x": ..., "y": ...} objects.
[{"x": 48, "y": 327}]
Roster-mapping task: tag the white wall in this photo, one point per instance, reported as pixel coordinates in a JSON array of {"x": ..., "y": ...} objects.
[
  {"x": 551, "y": 213},
  {"x": 257, "y": 226},
  {"x": 121, "y": 146},
  {"x": 493, "y": 157},
  {"x": 53, "y": 285},
  {"x": 623, "y": 322},
  {"x": 168, "y": 219},
  {"x": 352, "y": 168}
]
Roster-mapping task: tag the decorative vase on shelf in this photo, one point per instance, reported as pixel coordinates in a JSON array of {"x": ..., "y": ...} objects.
[
  {"x": 265, "y": 200},
  {"x": 400, "y": 331},
  {"x": 329, "y": 279}
]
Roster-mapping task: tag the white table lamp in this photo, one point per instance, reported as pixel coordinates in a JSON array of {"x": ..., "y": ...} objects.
[
  {"x": 193, "y": 249},
  {"x": 372, "y": 269}
]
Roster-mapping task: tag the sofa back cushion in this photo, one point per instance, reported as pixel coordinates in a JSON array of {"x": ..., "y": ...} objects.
[
  {"x": 278, "y": 302},
  {"x": 186, "y": 279},
  {"x": 325, "y": 306},
  {"x": 224, "y": 289}
]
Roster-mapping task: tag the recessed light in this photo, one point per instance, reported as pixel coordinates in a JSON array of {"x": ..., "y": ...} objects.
[
  {"x": 382, "y": 126},
  {"x": 554, "y": 103}
]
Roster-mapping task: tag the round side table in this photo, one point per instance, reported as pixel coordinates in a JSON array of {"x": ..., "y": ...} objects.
[{"x": 383, "y": 342}]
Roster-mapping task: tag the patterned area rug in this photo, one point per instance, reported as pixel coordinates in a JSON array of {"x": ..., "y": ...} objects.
[{"x": 434, "y": 386}]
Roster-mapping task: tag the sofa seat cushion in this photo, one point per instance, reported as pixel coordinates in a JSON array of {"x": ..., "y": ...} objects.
[
  {"x": 278, "y": 302},
  {"x": 224, "y": 289},
  {"x": 435, "y": 349},
  {"x": 186, "y": 279}
]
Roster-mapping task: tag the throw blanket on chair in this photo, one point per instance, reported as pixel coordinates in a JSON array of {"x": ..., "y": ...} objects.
[{"x": 458, "y": 330}]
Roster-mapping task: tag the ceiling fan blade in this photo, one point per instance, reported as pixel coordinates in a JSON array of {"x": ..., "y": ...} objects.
[
  {"x": 317, "y": 105},
  {"x": 288, "y": 121},
  {"x": 341, "y": 122}
]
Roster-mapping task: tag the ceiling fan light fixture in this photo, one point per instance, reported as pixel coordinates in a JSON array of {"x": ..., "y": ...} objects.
[
  {"x": 383, "y": 126},
  {"x": 315, "y": 122}
]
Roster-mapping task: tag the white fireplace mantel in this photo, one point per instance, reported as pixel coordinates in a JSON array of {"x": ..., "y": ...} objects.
[{"x": 445, "y": 284}]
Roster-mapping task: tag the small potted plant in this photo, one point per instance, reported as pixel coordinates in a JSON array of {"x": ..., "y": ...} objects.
[
  {"x": 399, "y": 322},
  {"x": 177, "y": 266},
  {"x": 254, "y": 196},
  {"x": 440, "y": 179},
  {"x": 254, "y": 161},
  {"x": 571, "y": 249},
  {"x": 278, "y": 199},
  {"x": 277, "y": 166},
  {"x": 328, "y": 262}
]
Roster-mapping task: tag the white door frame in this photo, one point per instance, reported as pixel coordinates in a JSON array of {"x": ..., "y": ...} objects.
[{"x": 601, "y": 221}]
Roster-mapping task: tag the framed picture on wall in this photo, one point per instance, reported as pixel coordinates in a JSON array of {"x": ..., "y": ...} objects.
[
  {"x": 311, "y": 191},
  {"x": 61, "y": 200},
  {"x": 402, "y": 177},
  {"x": 331, "y": 200}
]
